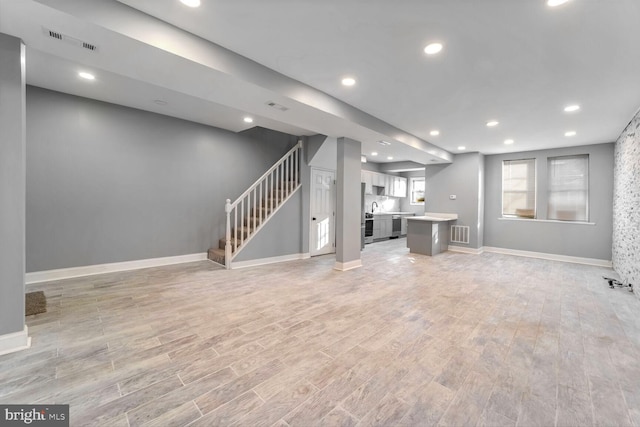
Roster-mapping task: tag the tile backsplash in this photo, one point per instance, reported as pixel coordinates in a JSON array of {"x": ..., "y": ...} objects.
[{"x": 385, "y": 203}]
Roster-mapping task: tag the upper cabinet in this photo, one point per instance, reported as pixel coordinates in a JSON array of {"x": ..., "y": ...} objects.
[
  {"x": 367, "y": 178},
  {"x": 399, "y": 186},
  {"x": 395, "y": 186}
]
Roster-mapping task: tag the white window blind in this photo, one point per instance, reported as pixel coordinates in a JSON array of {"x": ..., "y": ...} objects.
[
  {"x": 568, "y": 188},
  {"x": 519, "y": 188}
]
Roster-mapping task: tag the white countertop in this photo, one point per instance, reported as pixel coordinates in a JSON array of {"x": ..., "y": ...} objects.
[
  {"x": 392, "y": 213},
  {"x": 434, "y": 217}
]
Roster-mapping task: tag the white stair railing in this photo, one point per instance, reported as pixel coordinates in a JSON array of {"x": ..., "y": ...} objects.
[{"x": 247, "y": 215}]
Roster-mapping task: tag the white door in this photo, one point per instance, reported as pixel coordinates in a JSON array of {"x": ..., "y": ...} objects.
[{"x": 322, "y": 212}]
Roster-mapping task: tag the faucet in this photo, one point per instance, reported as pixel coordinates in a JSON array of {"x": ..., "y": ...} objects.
[{"x": 372, "y": 208}]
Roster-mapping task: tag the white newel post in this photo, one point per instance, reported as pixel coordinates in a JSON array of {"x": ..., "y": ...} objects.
[{"x": 227, "y": 246}]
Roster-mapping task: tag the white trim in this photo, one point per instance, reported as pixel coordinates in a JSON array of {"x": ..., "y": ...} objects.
[
  {"x": 90, "y": 270},
  {"x": 344, "y": 266},
  {"x": 551, "y": 257},
  {"x": 545, "y": 220},
  {"x": 270, "y": 260},
  {"x": 465, "y": 250},
  {"x": 16, "y": 341}
]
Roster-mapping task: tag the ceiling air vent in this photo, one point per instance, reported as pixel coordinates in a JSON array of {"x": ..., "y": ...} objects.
[
  {"x": 70, "y": 40},
  {"x": 55, "y": 35},
  {"x": 89, "y": 46},
  {"x": 277, "y": 106}
]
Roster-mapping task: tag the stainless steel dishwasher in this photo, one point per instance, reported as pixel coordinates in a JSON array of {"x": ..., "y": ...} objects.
[{"x": 396, "y": 226}]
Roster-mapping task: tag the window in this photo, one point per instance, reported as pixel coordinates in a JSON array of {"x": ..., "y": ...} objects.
[
  {"x": 568, "y": 186},
  {"x": 519, "y": 188},
  {"x": 416, "y": 186}
]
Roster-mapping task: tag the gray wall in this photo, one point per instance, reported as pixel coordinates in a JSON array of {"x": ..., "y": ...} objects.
[
  {"x": 626, "y": 205},
  {"x": 12, "y": 185},
  {"x": 107, "y": 183},
  {"x": 323, "y": 152},
  {"x": 282, "y": 235},
  {"x": 371, "y": 166},
  {"x": 571, "y": 239},
  {"x": 462, "y": 179}
]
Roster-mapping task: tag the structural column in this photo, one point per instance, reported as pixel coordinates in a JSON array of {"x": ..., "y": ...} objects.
[
  {"x": 13, "y": 331},
  {"x": 348, "y": 205}
]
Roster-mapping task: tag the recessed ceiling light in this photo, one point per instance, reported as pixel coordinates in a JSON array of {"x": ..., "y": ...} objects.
[
  {"x": 570, "y": 133},
  {"x": 348, "y": 81},
  {"x": 384, "y": 143},
  {"x": 390, "y": 158},
  {"x": 375, "y": 153},
  {"x": 434, "y": 133},
  {"x": 191, "y": 3},
  {"x": 508, "y": 141},
  {"x": 492, "y": 123},
  {"x": 571, "y": 108},
  {"x": 248, "y": 120},
  {"x": 87, "y": 76},
  {"x": 159, "y": 102},
  {"x": 554, "y": 3},
  {"x": 462, "y": 147},
  {"x": 433, "y": 48}
]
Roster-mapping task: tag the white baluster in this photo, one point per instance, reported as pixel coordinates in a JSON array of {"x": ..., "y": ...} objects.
[{"x": 227, "y": 245}]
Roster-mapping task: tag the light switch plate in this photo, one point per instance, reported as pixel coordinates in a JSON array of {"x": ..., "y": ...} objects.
[{"x": 452, "y": 197}]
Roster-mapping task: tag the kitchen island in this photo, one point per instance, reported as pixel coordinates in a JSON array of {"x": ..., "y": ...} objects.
[{"x": 429, "y": 234}]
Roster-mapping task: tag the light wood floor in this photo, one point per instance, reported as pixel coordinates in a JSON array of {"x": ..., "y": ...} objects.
[{"x": 406, "y": 340}]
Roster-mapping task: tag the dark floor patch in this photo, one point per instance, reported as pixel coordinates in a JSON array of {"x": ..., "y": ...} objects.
[{"x": 35, "y": 303}]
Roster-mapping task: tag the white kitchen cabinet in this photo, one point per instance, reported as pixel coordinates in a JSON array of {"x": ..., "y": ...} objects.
[
  {"x": 395, "y": 186},
  {"x": 392, "y": 184},
  {"x": 386, "y": 227},
  {"x": 376, "y": 229},
  {"x": 382, "y": 226},
  {"x": 403, "y": 226},
  {"x": 367, "y": 178},
  {"x": 399, "y": 186},
  {"x": 388, "y": 185}
]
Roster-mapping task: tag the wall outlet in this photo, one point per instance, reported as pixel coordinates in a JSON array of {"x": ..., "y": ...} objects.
[{"x": 452, "y": 197}]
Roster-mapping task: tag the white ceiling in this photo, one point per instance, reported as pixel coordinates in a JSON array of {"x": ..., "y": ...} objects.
[{"x": 516, "y": 61}]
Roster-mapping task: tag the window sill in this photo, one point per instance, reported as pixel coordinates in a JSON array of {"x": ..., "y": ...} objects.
[
  {"x": 417, "y": 204},
  {"x": 547, "y": 220}
]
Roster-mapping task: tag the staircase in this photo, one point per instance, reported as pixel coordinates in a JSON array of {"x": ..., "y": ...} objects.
[{"x": 251, "y": 211}]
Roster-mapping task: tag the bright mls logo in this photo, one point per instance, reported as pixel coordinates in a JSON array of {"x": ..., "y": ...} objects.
[{"x": 36, "y": 415}]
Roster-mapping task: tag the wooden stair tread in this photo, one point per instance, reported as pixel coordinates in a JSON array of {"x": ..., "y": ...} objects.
[{"x": 216, "y": 255}]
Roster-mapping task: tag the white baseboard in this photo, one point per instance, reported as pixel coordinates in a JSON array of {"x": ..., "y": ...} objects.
[
  {"x": 270, "y": 260},
  {"x": 90, "y": 270},
  {"x": 551, "y": 257},
  {"x": 344, "y": 266},
  {"x": 10, "y": 343},
  {"x": 465, "y": 250}
]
